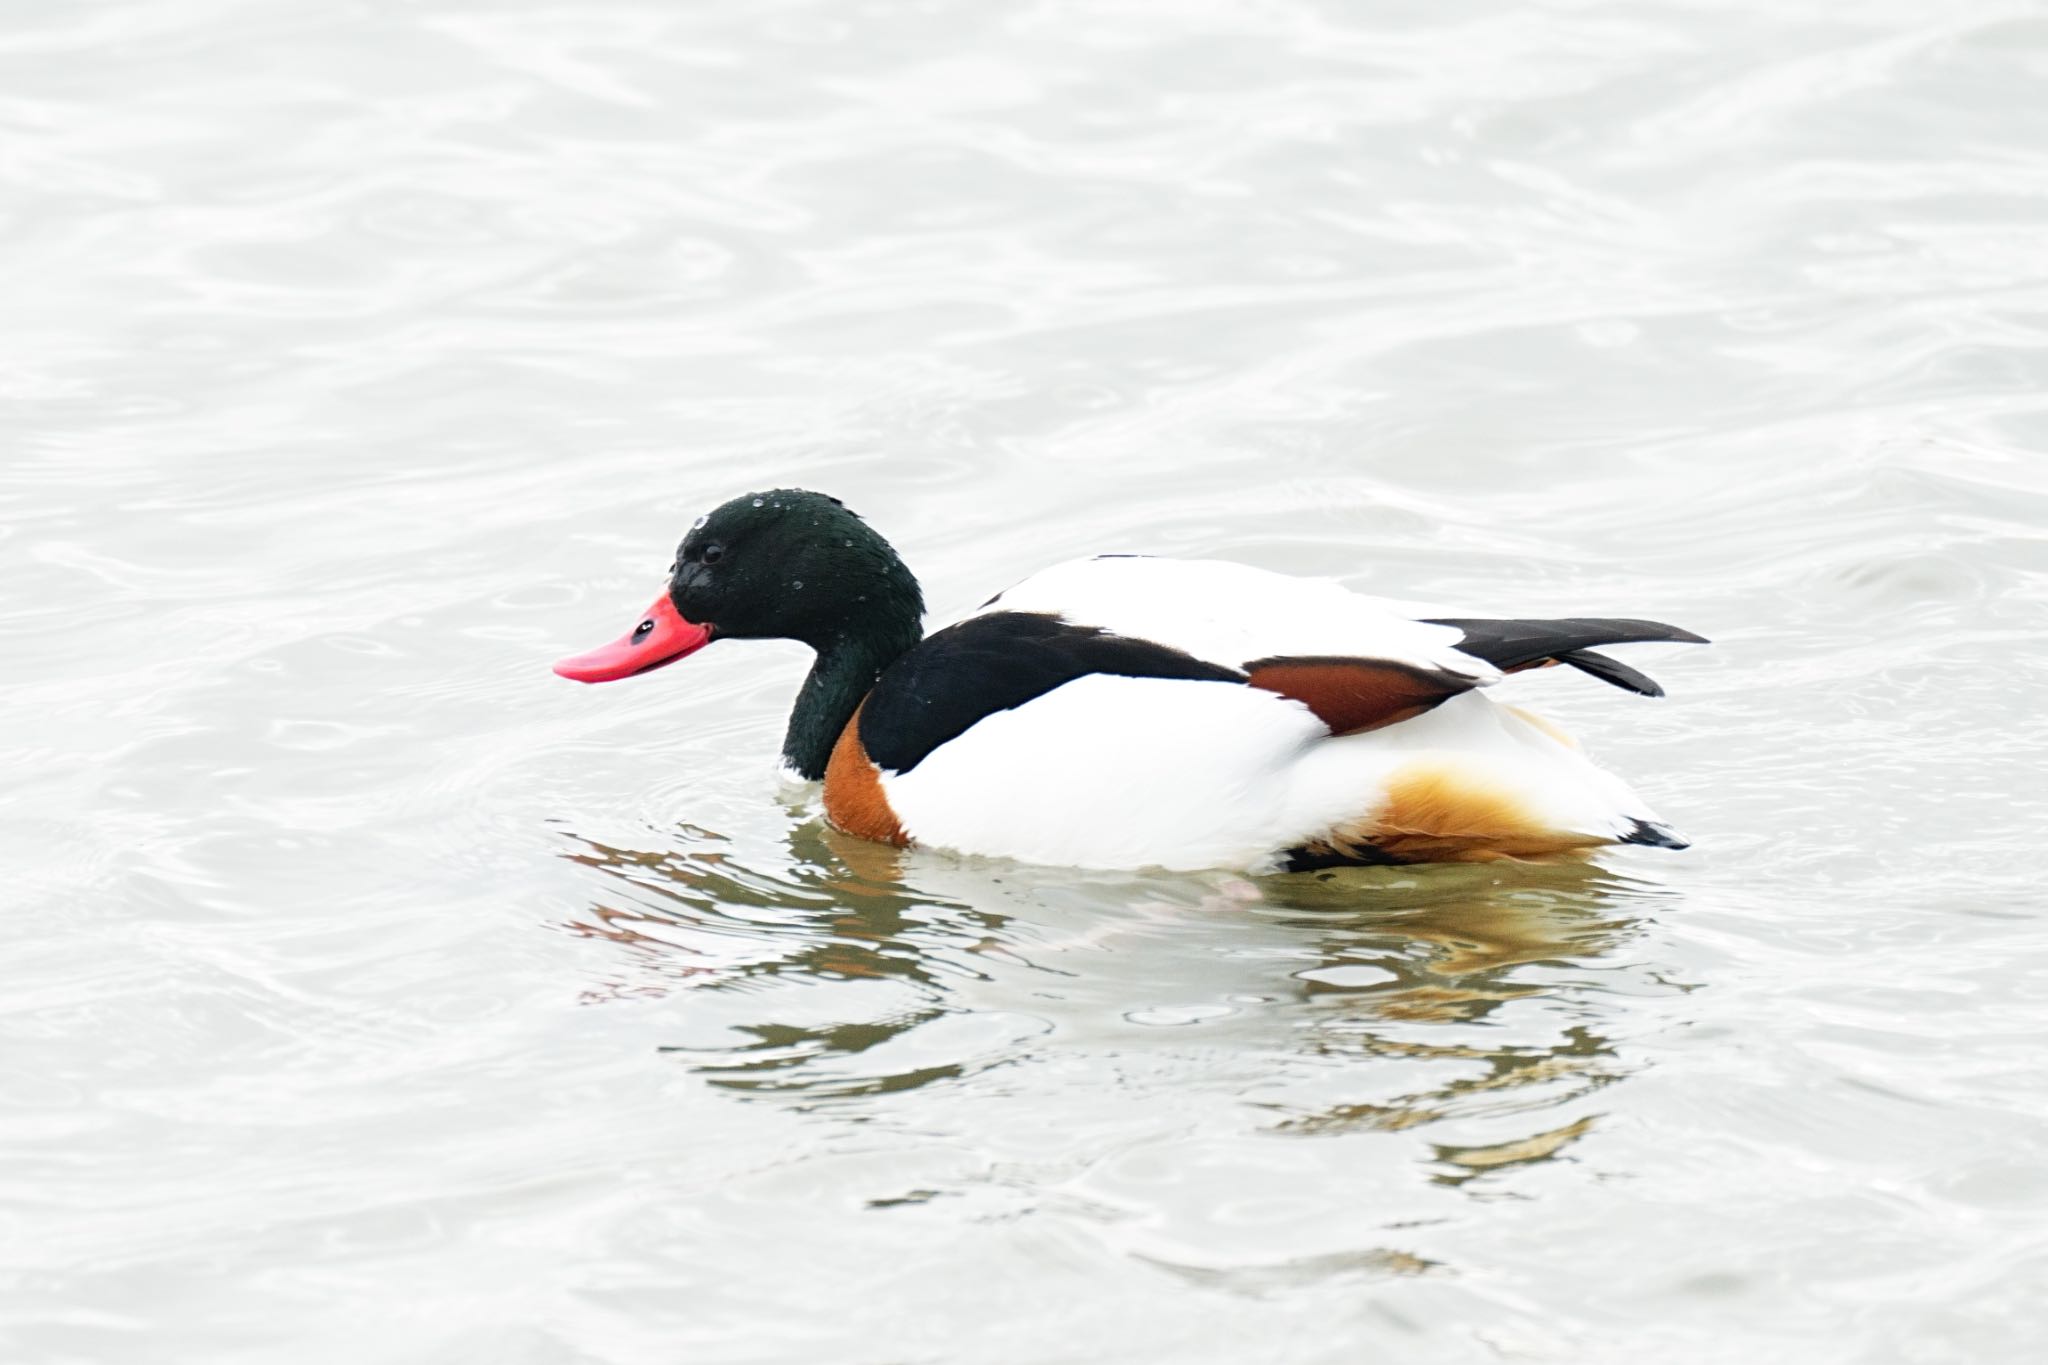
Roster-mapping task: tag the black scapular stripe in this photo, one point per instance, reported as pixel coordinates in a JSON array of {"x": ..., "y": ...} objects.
[
  {"x": 1509, "y": 645},
  {"x": 996, "y": 663}
]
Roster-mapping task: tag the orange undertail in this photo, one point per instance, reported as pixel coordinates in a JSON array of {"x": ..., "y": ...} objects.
[{"x": 1434, "y": 813}]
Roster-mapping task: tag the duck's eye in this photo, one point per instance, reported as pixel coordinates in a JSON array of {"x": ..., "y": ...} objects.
[{"x": 711, "y": 554}]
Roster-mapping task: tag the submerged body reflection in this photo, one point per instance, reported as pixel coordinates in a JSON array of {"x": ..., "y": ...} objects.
[{"x": 1374, "y": 1000}]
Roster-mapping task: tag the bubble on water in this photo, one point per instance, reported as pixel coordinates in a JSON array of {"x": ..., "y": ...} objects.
[
  {"x": 796, "y": 584},
  {"x": 1178, "y": 1016},
  {"x": 1349, "y": 975}
]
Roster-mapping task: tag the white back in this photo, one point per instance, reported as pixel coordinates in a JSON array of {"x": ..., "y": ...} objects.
[{"x": 1232, "y": 614}]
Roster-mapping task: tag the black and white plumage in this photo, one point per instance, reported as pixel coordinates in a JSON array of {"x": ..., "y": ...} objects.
[{"x": 1128, "y": 711}]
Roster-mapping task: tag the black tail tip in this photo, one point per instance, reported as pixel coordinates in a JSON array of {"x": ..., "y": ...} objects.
[{"x": 1652, "y": 835}]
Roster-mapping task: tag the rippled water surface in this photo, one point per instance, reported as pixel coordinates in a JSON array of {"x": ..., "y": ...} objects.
[{"x": 373, "y": 995}]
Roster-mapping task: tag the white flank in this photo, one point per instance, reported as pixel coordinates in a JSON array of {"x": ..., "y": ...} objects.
[{"x": 1116, "y": 772}]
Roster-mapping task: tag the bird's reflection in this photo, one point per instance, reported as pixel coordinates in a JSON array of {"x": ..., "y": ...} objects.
[
  {"x": 854, "y": 970},
  {"x": 1457, "y": 946},
  {"x": 693, "y": 914}
]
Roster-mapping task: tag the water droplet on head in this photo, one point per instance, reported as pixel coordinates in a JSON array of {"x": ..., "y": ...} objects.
[
  {"x": 698, "y": 524},
  {"x": 797, "y": 584},
  {"x": 760, "y": 502}
]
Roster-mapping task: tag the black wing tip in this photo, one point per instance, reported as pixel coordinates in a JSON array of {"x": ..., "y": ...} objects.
[
  {"x": 1636, "y": 630},
  {"x": 1642, "y": 632},
  {"x": 1510, "y": 632},
  {"x": 1510, "y": 644},
  {"x": 1611, "y": 671},
  {"x": 1651, "y": 834}
]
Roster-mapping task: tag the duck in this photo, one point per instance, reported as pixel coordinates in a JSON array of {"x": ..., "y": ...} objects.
[{"x": 1130, "y": 712}]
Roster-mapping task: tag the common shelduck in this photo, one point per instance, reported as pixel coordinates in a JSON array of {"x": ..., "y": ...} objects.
[{"x": 1127, "y": 711}]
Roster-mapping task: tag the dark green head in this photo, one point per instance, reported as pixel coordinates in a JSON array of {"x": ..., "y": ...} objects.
[{"x": 796, "y": 565}]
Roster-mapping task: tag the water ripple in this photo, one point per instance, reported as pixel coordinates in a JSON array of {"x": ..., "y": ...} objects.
[{"x": 359, "y": 360}]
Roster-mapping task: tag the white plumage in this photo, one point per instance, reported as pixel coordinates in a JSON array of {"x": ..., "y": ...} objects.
[{"x": 1117, "y": 772}]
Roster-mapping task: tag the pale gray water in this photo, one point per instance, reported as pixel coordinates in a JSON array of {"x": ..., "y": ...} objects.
[{"x": 373, "y": 995}]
